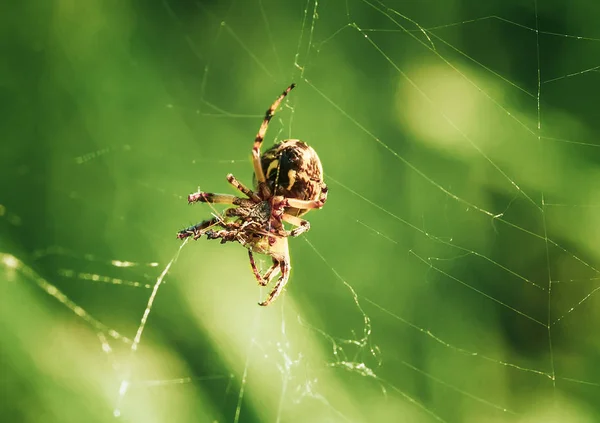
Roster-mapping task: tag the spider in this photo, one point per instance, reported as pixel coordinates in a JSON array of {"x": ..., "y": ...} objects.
[{"x": 288, "y": 182}]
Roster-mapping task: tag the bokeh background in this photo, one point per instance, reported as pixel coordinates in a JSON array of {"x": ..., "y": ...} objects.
[{"x": 452, "y": 275}]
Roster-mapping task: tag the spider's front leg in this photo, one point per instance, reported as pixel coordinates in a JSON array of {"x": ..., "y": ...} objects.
[
  {"x": 198, "y": 229},
  {"x": 284, "y": 266},
  {"x": 263, "y": 280},
  {"x": 226, "y": 235},
  {"x": 209, "y": 197},
  {"x": 242, "y": 188},
  {"x": 203, "y": 227}
]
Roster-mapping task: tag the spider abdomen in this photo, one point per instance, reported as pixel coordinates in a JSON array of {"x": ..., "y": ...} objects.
[{"x": 293, "y": 170}]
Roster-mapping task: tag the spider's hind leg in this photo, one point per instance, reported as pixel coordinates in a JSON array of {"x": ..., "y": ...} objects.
[
  {"x": 309, "y": 204},
  {"x": 258, "y": 170},
  {"x": 302, "y": 225}
]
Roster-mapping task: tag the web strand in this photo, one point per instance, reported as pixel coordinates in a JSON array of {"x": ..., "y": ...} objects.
[
  {"x": 124, "y": 386},
  {"x": 438, "y": 258}
]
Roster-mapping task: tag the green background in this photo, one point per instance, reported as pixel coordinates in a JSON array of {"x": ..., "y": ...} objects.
[{"x": 451, "y": 276}]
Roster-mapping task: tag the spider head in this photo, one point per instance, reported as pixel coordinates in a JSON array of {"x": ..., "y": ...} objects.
[{"x": 261, "y": 212}]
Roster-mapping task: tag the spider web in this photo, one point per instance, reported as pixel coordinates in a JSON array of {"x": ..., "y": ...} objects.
[{"x": 452, "y": 275}]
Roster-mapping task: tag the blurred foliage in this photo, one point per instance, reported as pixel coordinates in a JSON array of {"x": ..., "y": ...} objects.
[{"x": 452, "y": 275}]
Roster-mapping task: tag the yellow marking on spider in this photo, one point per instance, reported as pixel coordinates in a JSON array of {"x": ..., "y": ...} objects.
[
  {"x": 292, "y": 178},
  {"x": 272, "y": 166}
]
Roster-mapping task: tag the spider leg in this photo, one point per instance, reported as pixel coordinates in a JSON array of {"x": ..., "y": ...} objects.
[
  {"x": 197, "y": 230},
  {"x": 208, "y": 197},
  {"x": 263, "y": 280},
  {"x": 302, "y": 225},
  {"x": 242, "y": 188},
  {"x": 258, "y": 170},
  {"x": 283, "y": 278},
  {"x": 270, "y": 270},
  {"x": 203, "y": 227},
  {"x": 242, "y": 213},
  {"x": 308, "y": 204},
  {"x": 226, "y": 235}
]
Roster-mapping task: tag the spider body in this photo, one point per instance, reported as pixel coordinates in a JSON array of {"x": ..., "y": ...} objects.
[
  {"x": 293, "y": 170},
  {"x": 288, "y": 182}
]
